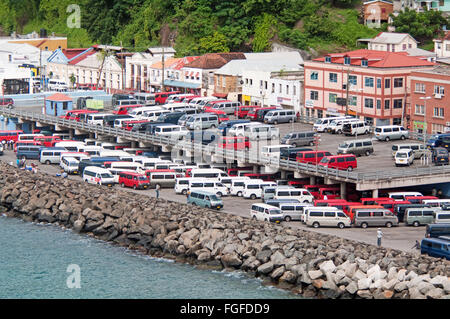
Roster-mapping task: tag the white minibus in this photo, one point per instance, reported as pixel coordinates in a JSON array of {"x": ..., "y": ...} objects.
[{"x": 98, "y": 175}]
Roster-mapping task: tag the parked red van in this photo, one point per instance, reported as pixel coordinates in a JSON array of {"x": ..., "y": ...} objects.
[
  {"x": 314, "y": 189},
  {"x": 134, "y": 180},
  {"x": 373, "y": 200},
  {"x": 10, "y": 135},
  {"x": 311, "y": 157},
  {"x": 234, "y": 143},
  {"x": 352, "y": 209},
  {"x": 47, "y": 141},
  {"x": 328, "y": 202},
  {"x": 124, "y": 109},
  {"x": 418, "y": 199},
  {"x": 161, "y": 97},
  {"x": 252, "y": 114},
  {"x": 388, "y": 204},
  {"x": 242, "y": 111},
  {"x": 348, "y": 206},
  {"x": 264, "y": 177},
  {"x": 221, "y": 115},
  {"x": 128, "y": 125},
  {"x": 330, "y": 192},
  {"x": 342, "y": 162},
  {"x": 299, "y": 183}
]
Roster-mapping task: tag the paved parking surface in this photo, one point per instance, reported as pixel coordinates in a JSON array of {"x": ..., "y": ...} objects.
[{"x": 402, "y": 237}]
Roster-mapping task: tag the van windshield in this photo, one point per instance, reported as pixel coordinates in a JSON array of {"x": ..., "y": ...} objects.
[
  {"x": 213, "y": 197},
  {"x": 274, "y": 211},
  {"x": 401, "y": 155},
  {"x": 344, "y": 145},
  {"x": 319, "y": 122},
  {"x": 106, "y": 175},
  {"x": 325, "y": 160}
]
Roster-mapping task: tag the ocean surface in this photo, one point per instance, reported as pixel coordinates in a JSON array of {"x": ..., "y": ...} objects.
[{"x": 35, "y": 259}]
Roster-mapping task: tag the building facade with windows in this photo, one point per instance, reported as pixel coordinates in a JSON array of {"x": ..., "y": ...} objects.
[
  {"x": 377, "y": 12},
  {"x": 430, "y": 100},
  {"x": 378, "y": 85},
  {"x": 442, "y": 46}
]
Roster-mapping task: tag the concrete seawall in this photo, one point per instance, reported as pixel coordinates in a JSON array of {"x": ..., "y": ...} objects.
[{"x": 308, "y": 263}]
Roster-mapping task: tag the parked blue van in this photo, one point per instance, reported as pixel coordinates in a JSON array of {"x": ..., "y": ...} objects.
[
  {"x": 205, "y": 199},
  {"x": 436, "y": 247},
  {"x": 437, "y": 230},
  {"x": 436, "y": 140},
  {"x": 29, "y": 151}
]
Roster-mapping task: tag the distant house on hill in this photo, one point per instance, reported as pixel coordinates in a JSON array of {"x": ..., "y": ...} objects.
[{"x": 376, "y": 12}]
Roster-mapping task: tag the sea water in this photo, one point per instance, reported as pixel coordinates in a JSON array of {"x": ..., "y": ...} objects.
[{"x": 45, "y": 261}]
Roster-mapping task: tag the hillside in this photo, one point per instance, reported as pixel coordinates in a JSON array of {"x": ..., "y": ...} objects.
[{"x": 194, "y": 26}]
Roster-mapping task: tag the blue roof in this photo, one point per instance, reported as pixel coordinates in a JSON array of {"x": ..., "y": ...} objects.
[{"x": 182, "y": 84}]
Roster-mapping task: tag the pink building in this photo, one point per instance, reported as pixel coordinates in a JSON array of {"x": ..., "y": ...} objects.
[{"x": 378, "y": 85}]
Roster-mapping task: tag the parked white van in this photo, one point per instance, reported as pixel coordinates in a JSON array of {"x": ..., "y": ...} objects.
[
  {"x": 96, "y": 118},
  {"x": 253, "y": 188},
  {"x": 404, "y": 157},
  {"x": 51, "y": 155},
  {"x": 140, "y": 112},
  {"x": 98, "y": 175},
  {"x": 72, "y": 146},
  {"x": 301, "y": 194},
  {"x": 238, "y": 129},
  {"x": 238, "y": 185},
  {"x": 273, "y": 151},
  {"x": 92, "y": 150},
  {"x": 390, "y": 132},
  {"x": 173, "y": 107},
  {"x": 76, "y": 155},
  {"x": 321, "y": 125},
  {"x": 115, "y": 172},
  {"x": 171, "y": 131},
  {"x": 208, "y": 185},
  {"x": 326, "y": 216},
  {"x": 182, "y": 185},
  {"x": 69, "y": 165},
  {"x": 208, "y": 173},
  {"x": 293, "y": 211},
  {"x": 337, "y": 126},
  {"x": 441, "y": 217},
  {"x": 162, "y": 178},
  {"x": 261, "y": 131},
  {"x": 356, "y": 128},
  {"x": 266, "y": 212},
  {"x": 401, "y": 196},
  {"x": 136, "y": 167}
]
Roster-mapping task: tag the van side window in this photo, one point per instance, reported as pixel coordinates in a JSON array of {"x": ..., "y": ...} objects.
[
  {"x": 349, "y": 159},
  {"x": 377, "y": 214},
  {"x": 363, "y": 214},
  {"x": 341, "y": 215},
  {"x": 341, "y": 159},
  {"x": 316, "y": 214},
  {"x": 330, "y": 214}
]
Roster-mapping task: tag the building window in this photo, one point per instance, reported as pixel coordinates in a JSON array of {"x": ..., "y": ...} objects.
[
  {"x": 333, "y": 77},
  {"x": 378, "y": 104},
  {"x": 347, "y": 60},
  {"x": 287, "y": 89},
  {"x": 353, "y": 100},
  {"x": 65, "y": 105},
  {"x": 314, "y": 95},
  {"x": 265, "y": 85},
  {"x": 280, "y": 88},
  {"x": 294, "y": 88},
  {"x": 420, "y": 88},
  {"x": 398, "y": 82},
  {"x": 387, "y": 83},
  {"x": 439, "y": 90},
  {"x": 404, "y": 47},
  {"x": 364, "y": 63},
  {"x": 223, "y": 81},
  {"x": 368, "y": 82},
  {"x": 332, "y": 97},
  {"x": 398, "y": 104},
  {"x": 378, "y": 83},
  {"x": 352, "y": 80},
  {"x": 368, "y": 103},
  {"x": 447, "y": 47},
  {"x": 273, "y": 87},
  {"x": 419, "y": 110},
  {"x": 327, "y": 59},
  {"x": 438, "y": 112},
  {"x": 314, "y": 75},
  {"x": 397, "y": 121}
]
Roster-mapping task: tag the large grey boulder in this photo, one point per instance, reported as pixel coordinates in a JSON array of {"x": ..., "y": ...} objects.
[{"x": 265, "y": 268}]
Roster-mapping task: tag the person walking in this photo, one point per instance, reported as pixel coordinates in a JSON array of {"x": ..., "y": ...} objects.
[
  {"x": 157, "y": 187},
  {"x": 379, "y": 236},
  {"x": 416, "y": 245}
]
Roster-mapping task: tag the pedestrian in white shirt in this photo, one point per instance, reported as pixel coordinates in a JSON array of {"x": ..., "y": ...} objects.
[{"x": 379, "y": 236}]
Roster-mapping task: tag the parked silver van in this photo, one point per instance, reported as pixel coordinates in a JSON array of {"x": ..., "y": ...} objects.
[
  {"x": 390, "y": 132},
  {"x": 202, "y": 121},
  {"x": 279, "y": 116},
  {"x": 228, "y": 107},
  {"x": 357, "y": 147},
  {"x": 292, "y": 211},
  {"x": 378, "y": 217},
  {"x": 418, "y": 149},
  {"x": 299, "y": 138}
]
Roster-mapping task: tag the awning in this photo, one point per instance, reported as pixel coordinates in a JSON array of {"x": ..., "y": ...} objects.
[
  {"x": 181, "y": 84},
  {"x": 220, "y": 95}
]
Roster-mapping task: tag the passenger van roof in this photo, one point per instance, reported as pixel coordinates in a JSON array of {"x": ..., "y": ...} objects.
[{"x": 203, "y": 192}]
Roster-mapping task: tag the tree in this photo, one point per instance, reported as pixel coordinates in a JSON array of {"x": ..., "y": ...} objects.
[
  {"x": 265, "y": 29},
  {"x": 212, "y": 44}
]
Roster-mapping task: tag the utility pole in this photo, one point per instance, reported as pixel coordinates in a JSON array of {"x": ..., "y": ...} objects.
[
  {"x": 347, "y": 89},
  {"x": 163, "y": 70}
]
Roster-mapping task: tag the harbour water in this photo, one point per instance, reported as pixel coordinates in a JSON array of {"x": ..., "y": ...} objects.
[{"x": 34, "y": 260}]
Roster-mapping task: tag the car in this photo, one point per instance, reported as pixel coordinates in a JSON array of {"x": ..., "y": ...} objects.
[
  {"x": 404, "y": 157},
  {"x": 8, "y": 102}
]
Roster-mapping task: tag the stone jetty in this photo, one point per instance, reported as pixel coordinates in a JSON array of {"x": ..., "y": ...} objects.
[{"x": 308, "y": 263}]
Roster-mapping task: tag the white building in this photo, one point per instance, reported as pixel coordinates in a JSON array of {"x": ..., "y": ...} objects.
[
  {"x": 392, "y": 42},
  {"x": 138, "y": 66},
  {"x": 442, "y": 46},
  {"x": 274, "y": 84}
]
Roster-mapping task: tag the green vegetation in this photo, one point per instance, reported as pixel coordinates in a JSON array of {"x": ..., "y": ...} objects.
[{"x": 197, "y": 26}]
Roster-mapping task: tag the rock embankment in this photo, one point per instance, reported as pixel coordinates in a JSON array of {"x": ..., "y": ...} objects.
[{"x": 312, "y": 264}]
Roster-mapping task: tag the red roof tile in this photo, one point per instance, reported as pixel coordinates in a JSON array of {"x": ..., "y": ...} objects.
[
  {"x": 59, "y": 97},
  {"x": 71, "y": 53},
  {"x": 378, "y": 59},
  {"x": 82, "y": 56}
]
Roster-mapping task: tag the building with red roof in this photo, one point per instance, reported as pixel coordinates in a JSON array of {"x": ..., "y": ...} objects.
[
  {"x": 58, "y": 104},
  {"x": 372, "y": 85}
]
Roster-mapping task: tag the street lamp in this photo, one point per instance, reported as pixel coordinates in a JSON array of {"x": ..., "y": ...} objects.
[{"x": 425, "y": 98}]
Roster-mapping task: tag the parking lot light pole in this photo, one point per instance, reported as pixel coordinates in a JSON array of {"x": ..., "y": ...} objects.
[{"x": 425, "y": 98}]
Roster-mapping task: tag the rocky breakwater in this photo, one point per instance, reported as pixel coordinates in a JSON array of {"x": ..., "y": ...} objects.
[{"x": 307, "y": 263}]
